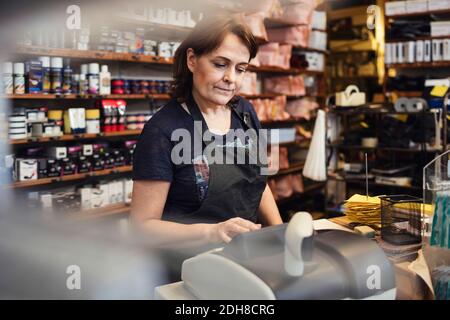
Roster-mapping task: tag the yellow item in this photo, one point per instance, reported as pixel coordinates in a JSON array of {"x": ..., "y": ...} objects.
[
  {"x": 92, "y": 114},
  {"x": 67, "y": 128},
  {"x": 55, "y": 114},
  {"x": 439, "y": 91},
  {"x": 362, "y": 209}
]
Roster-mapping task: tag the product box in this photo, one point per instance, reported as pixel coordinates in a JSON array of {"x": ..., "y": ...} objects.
[
  {"x": 42, "y": 168},
  {"x": 33, "y": 74},
  {"x": 57, "y": 152},
  {"x": 388, "y": 53},
  {"x": 434, "y": 5},
  {"x": 440, "y": 28},
  {"x": 316, "y": 61},
  {"x": 97, "y": 198},
  {"x": 395, "y": 8},
  {"x": 410, "y": 52},
  {"x": 53, "y": 168},
  {"x": 446, "y": 52},
  {"x": 85, "y": 194},
  {"x": 26, "y": 169},
  {"x": 419, "y": 50},
  {"x": 128, "y": 190},
  {"x": 413, "y": 6},
  {"x": 104, "y": 188},
  {"x": 88, "y": 150},
  {"x": 319, "y": 20},
  {"x": 427, "y": 51},
  {"x": 318, "y": 40},
  {"x": 437, "y": 50}
]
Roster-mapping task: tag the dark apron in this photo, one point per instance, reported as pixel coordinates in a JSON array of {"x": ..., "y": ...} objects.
[{"x": 234, "y": 190}]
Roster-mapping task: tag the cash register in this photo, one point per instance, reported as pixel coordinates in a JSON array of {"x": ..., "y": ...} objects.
[{"x": 288, "y": 261}]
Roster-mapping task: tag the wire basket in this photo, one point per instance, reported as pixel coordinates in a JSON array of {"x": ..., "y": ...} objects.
[{"x": 401, "y": 219}]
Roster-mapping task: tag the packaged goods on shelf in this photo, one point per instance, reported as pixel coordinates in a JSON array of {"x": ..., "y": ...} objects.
[
  {"x": 415, "y": 6},
  {"x": 395, "y": 8},
  {"x": 249, "y": 84},
  {"x": 25, "y": 169},
  {"x": 289, "y": 85},
  {"x": 297, "y": 36},
  {"x": 319, "y": 20},
  {"x": 299, "y": 13},
  {"x": 271, "y": 109},
  {"x": 434, "y": 5},
  {"x": 301, "y": 108},
  {"x": 137, "y": 120},
  {"x": 275, "y": 54},
  {"x": 113, "y": 115},
  {"x": 255, "y": 22},
  {"x": 318, "y": 40}
]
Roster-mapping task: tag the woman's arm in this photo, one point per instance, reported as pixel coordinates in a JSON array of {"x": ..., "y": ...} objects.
[
  {"x": 149, "y": 198},
  {"x": 268, "y": 209}
]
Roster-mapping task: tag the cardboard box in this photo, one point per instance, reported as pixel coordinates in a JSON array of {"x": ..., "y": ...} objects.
[
  {"x": 434, "y": 5},
  {"x": 419, "y": 50},
  {"x": 413, "y": 6},
  {"x": 440, "y": 28},
  {"x": 393, "y": 8},
  {"x": 26, "y": 169}
]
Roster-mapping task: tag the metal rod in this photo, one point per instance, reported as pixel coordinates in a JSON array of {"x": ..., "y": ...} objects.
[{"x": 367, "y": 179}]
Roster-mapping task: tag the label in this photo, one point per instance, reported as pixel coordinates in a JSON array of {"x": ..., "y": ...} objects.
[
  {"x": 8, "y": 83},
  {"x": 93, "y": 126},
  {"x": 19, "y": 84},
  {"x": 93, "y": 84},
  {"x": 439, "y": 91}
]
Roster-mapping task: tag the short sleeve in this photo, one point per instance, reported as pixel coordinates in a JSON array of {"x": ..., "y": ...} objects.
[{"x": 152, "y": 159}]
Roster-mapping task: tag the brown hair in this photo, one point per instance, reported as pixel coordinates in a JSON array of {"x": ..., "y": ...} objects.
[{"x": 207, "y": 36}]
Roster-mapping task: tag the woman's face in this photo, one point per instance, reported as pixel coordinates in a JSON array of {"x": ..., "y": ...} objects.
[{"x": 217, "y": 76}]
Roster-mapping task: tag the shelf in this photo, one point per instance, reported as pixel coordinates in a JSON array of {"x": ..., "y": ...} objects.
[
  {"x": 393, "y": 149},
  {"x": 292, "y": 169},
  {"x": 73, "y": 177},
  {"x": 418, "y": 14},
  {"x": 371, "y": 183},
  {"x": 416, "y": 38},
  {"x": 406, "y": 94},
  {"x": 436, "y": 64},
  {"x": 275, "y": 69},
  {"x": 93, "y": 55},
  {"x": 73, "y": 137},
  {"x": 38, "y": 96},
  {"x": 281, "y": 123},
  {"x": 104, "y": 212},
  {"x": 159, "y": 31},
  {"x": 373, "y": 109}
]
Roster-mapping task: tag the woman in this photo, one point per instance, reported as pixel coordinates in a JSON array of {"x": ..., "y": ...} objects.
[{"x": 202, "y": 200}]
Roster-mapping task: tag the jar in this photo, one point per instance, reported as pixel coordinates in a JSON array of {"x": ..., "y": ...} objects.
[
  {"x": 144, "y": 87},
  {"x": 93, "y": 121}
]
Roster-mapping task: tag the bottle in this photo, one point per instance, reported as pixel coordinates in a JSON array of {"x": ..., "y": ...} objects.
[
  {"x": 83, "y": 84},
  {"x": 19, "y": 78},
  {"x": 93, "y": 78},
  {"x": 8, "y": 79},
  {"x": 76, "y": 83},
  {"x": 46, "y": 81},
  {"x": 105, "y": 81},
  {"x": 67, "y": 78},
  {"x": 56, "y": 76}
]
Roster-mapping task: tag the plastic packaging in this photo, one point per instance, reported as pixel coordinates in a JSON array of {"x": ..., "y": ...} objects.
[
  {"x": 46, "y": 80},
  {"x": 105, "y": 81}
]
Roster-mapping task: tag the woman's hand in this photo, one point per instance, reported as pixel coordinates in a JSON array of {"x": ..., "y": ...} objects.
[{"x": 225, "y": 231}]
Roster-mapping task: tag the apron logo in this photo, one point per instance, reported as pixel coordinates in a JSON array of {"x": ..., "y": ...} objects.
[{"x": 238, "y": 146}]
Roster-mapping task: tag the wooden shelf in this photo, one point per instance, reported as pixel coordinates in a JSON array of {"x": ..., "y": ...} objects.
[
  {"x": 371, "y": 183},
  {"x": 38, "y": 96},
  {"x": 418, "y": 14},
  {"x": 73, "y": 137},
  {"x": 73, "y": 177},
  {"x": 93, "y": 55},
  {"x": 292, "y": 169},
  {"x": 435, "y": 64},
  {"x": 283, "y": 123},
  {"x": 406, "y": 94},
  {"x": 104, "y": 212}
]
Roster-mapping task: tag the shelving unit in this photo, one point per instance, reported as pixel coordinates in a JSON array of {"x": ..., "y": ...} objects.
[{"x": 165, "y": 32}]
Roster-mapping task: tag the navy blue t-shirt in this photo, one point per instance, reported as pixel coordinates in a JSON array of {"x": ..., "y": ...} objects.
[{"x": 152, "y": 159}]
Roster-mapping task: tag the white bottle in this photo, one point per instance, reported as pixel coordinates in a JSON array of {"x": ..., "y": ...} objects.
[
  {"x": 19, "y": 78},
  {"x": 105, "y": 81},
  {"x": 93, "y": 78},
  {"x": 8, "y": 79}
]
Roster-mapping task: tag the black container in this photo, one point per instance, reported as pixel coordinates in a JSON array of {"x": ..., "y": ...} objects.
[{"x": 401, "y": 219}]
